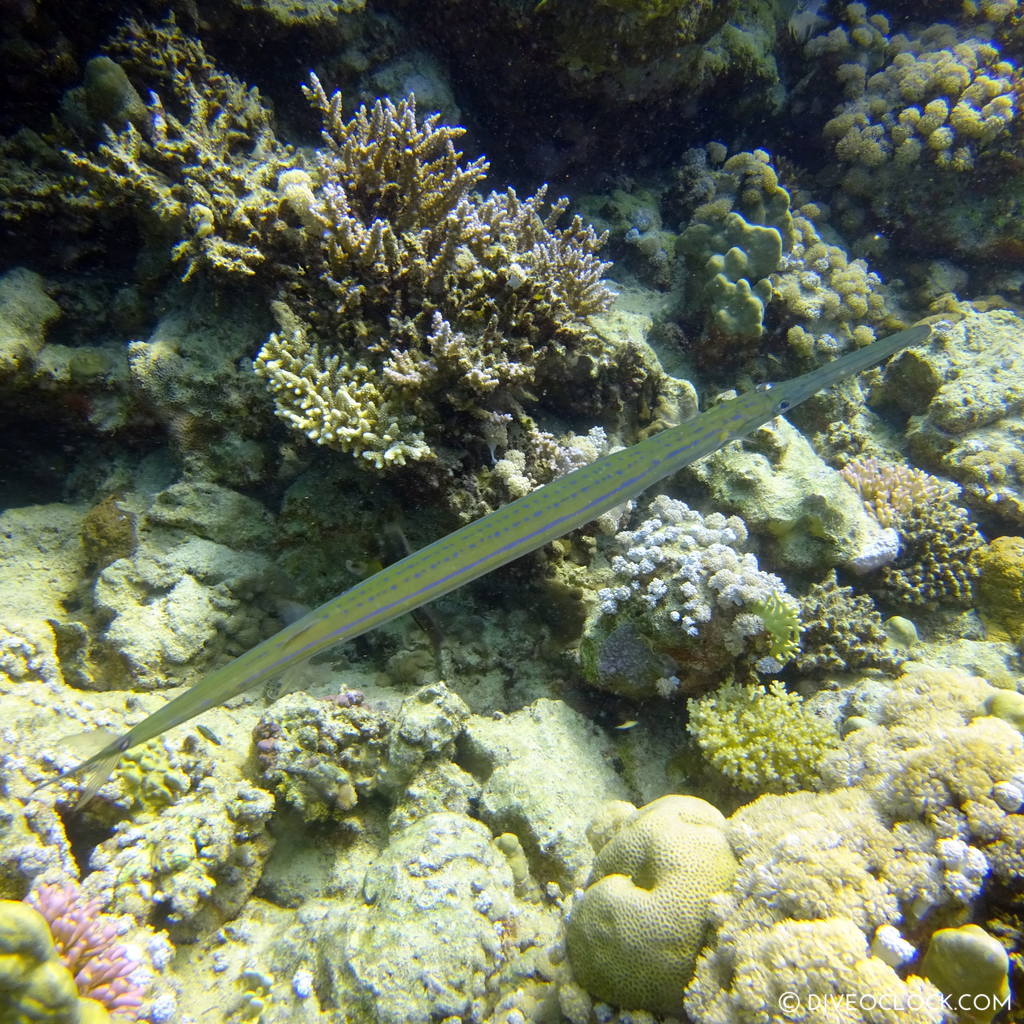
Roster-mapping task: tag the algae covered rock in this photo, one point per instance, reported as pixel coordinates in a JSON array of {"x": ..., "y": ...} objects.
[
  {"x": 635, "y": 933},
  {"x": 1000, "y": 588},
  {"x": 809, "y": 515},
  {"x": 965, "y": 395},
  {"x": 421, "y": 947},
  {"x": 545, "y": 771}
]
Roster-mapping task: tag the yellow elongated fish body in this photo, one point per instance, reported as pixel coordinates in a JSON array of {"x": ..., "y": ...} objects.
[{"x": 481, "y": 546}]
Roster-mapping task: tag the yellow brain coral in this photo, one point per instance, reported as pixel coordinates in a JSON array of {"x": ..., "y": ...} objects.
[{"x": 634, "y": 935}]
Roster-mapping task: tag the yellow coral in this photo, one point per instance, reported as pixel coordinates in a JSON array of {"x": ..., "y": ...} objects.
[
  {"x": 1000, "y": 588},
  {"x": 761, "y": 739},
  {"x": 635, "y": 933}
]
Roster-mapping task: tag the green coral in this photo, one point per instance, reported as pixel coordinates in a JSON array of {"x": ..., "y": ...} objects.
[
  {"x": 636, "y": 931},
  {"x": 781, "y": 620},
  {"x": 761, "y": 738},
  {"x": 972, "y": 969}
]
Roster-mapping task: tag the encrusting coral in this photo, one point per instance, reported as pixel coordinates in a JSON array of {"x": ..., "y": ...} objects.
[{"x": 1000, "y": 588}]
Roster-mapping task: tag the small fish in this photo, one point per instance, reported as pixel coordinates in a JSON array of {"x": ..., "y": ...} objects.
[{"x": 507, "y": 533}]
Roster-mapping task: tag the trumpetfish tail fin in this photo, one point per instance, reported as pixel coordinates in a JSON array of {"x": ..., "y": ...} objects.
[{"x": 96, "y": 767}]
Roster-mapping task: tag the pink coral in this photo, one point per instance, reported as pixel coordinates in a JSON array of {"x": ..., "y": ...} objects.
[
  {"x": 86, "y": 941},
  {"x": 890, "y": 490}
]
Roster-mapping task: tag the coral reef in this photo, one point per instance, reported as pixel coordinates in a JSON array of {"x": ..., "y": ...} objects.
[
  {"x": 937, "y": 98},
  {"x": 35, "y": 985},
  {"x": 181, "y": 598},
  {"x": 86, "y": 943},
  {"x": 320, "y": 757},
  {"x": 200, "y": 167},
  {"x": 851, "y": 882},
  {"x": 761, "y": 739},
  {"x": 941, "y": 99},
  {"x": 676, "y": 605},
  {"x": 634, "y": 934}
]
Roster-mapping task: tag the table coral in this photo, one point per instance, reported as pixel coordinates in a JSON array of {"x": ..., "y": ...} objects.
[
  {"x": 676, "y": 605},
  {"x": 634, "y": 934}
]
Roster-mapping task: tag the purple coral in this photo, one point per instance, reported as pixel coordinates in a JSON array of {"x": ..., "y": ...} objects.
[{"x": 86, "y": 942}]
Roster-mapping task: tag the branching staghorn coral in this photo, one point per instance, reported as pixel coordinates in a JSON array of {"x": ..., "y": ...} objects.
[
  {"x": 202, "y": 165},
  {"x": 418, "y": 297}
]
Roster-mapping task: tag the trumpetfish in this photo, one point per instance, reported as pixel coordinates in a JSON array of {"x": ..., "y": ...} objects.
[{"x": 493, "y": 540}]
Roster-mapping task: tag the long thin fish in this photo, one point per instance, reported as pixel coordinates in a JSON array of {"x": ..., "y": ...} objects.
[{"x": 507, "y": 533}]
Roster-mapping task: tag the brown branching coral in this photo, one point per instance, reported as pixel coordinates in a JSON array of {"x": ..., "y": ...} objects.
[
  {"x": 935, "y": 565},
  {"x": 204, "y": 164},
  {"x": 841, "y": 631},
  {"x": 420, "y": 298}
]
